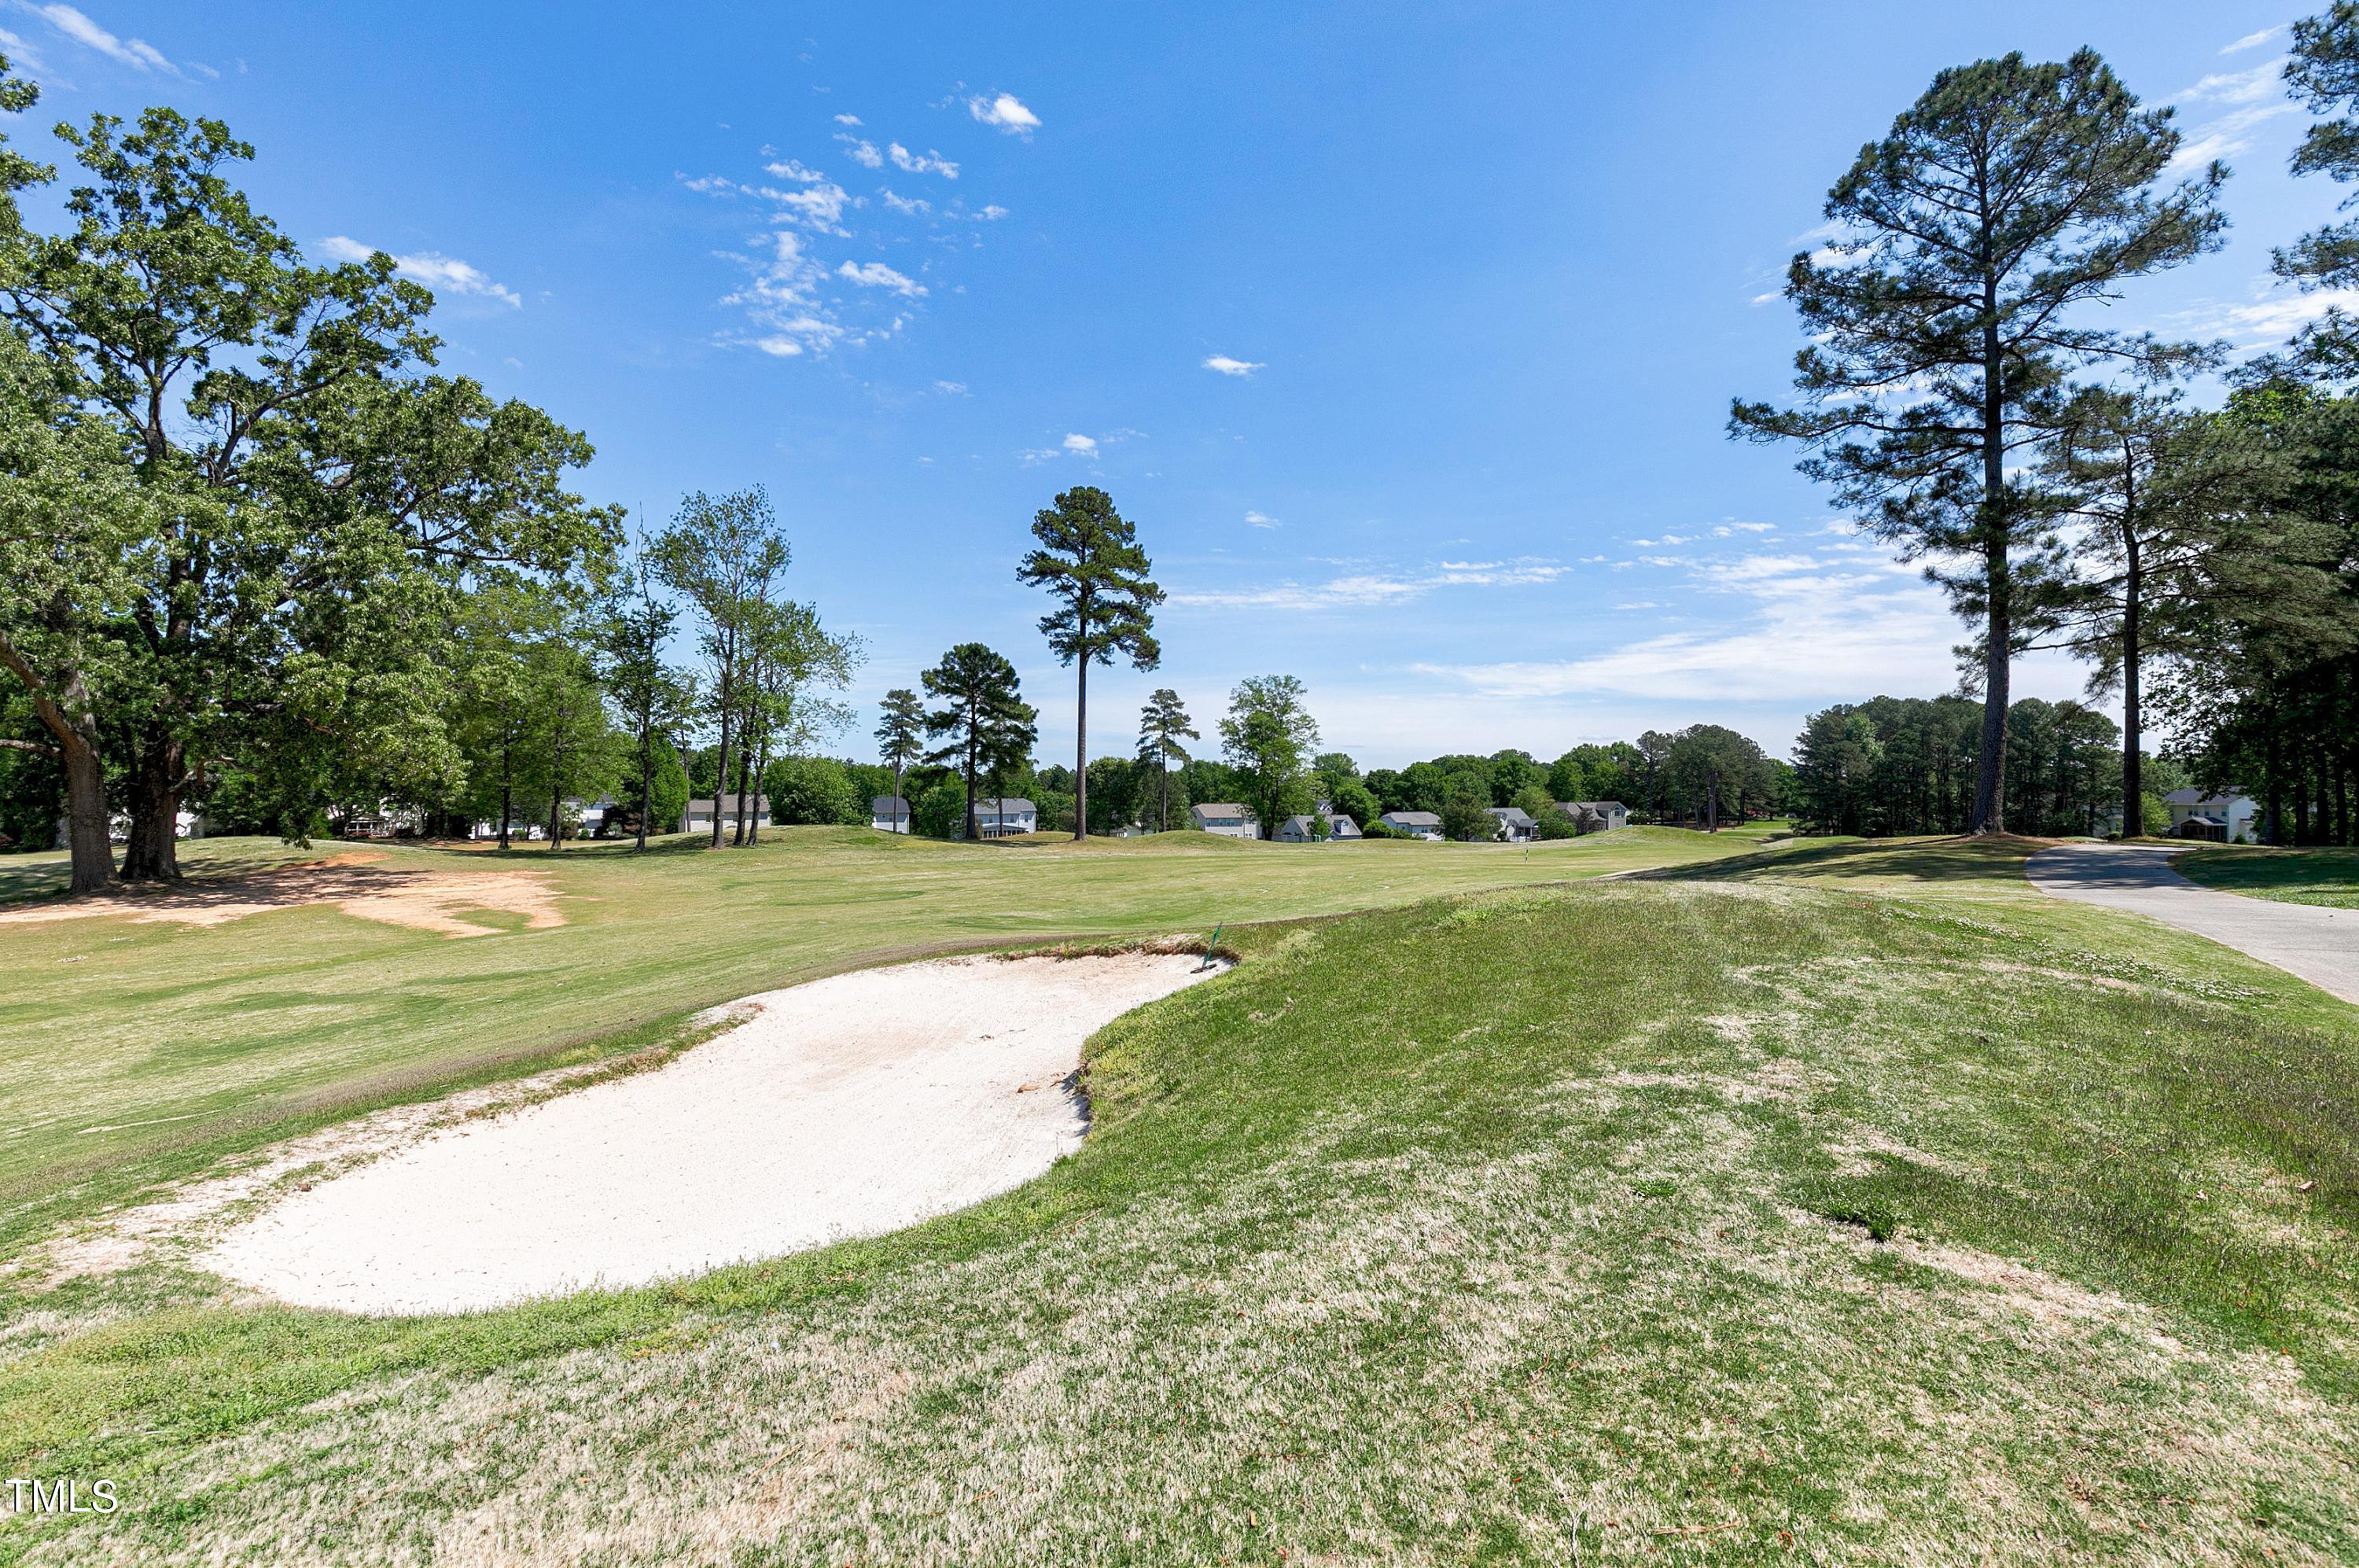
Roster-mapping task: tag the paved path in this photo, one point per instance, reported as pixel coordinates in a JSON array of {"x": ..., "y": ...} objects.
[{"x": 2320, "y": 944}]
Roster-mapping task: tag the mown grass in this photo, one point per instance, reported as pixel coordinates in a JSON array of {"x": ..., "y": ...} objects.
[
  {"x": 2329, "y": 876},
  {"x": 1718, "y": 1218},
  {"x": 133, "y": 1052}
]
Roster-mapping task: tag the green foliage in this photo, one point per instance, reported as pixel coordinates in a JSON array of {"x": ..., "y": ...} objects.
[
  {"x": 985, "y": 724},
  {"x": 1466, "y": 812},
  {"x": 940, "y": 811},
  {"x": 1268, "y": 736},
  {"x": 805, "y": 791},
  {"x": 1088, "y": 561},
  {"x": 1943, "y": 331}
]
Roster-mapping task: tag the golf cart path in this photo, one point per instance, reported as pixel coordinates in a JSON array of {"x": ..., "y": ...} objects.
[
  {"x": 2318, "y": 943},
  {"x": 849, "y": 1107}
]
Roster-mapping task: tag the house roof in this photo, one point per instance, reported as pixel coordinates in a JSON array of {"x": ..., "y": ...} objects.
[
  {"x": 1298, "y": 823},
  {"x": 1003, "y": 805},
  {"x": 729, "y": 803},
  {"x": 1344, "y": 825},
  {"x": 2192, "y": 797},
  {"x": 1510, "y": 813},
  {"x": 888, "y": 806},
  {"x": 1413, "y": 819},
  {"x": 1592, "y": 805},
  {"x": 1221, "y": 809}
]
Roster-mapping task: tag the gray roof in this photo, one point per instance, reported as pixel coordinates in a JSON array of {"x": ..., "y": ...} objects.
[
  {"x": 1221, "y": 809},
  {"x": 1005, "y": 805},
  {"x": 1515, "y": 814},
  {"x": 1413, "y": 819},
  {"x": 2198, "y": 798},
  {"x": 1592, "y": 805},
  {"x": 728, "y": 804},
  {"x": 888, "y": 806},
  {"x": 1296, "y": 825}
]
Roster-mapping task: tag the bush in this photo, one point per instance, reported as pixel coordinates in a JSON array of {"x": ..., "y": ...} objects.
[
  {"x": 805, "y": 791},
  {"x": 940, "y": 811}
]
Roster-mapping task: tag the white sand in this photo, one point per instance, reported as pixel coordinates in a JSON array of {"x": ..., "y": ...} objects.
[{"x": 850, "y": 1106}]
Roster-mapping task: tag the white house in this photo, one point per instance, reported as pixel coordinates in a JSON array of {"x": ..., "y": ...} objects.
[
  {"x": 697, "y": 818},
  {"x": 2227, "y": 817},
  {"x": 1004, "y": 817},
  {"x": 1340, "y": 827},
  {"x": 888, "y": 813},
  {"x": 1516, "y": 824},
  {"x": 1615, "y": 813},
  {"x": 1417, "y": 825},
  {"x": 1226, "y": 818}
]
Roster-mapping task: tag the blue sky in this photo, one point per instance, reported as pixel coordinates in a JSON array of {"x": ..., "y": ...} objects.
[{"x": 1406, "y": 333}]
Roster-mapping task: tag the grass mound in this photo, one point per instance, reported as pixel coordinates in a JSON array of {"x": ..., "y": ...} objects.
[{"x": 1715, "y": 1221}]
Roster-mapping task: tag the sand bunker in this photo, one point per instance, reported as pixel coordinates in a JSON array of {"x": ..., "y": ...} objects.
[
  {"x": 423, "y": 901},
  {"x": 849, "y": 1107}
]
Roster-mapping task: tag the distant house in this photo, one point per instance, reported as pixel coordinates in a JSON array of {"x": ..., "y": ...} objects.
[
  {"x": 1226, "y": 818},
  {"x": 2225, "y": 818},
  {"x": 697, "y": 818},
  {"x": 889, "y": 813},
  {"x": 1004, "y": 817},
  {"x": 1301, "y": 829},
  {"x": 1615, "y": 814},
  {"x": 1417, "y": 825},
  {"x": 1516, "y": 824}
]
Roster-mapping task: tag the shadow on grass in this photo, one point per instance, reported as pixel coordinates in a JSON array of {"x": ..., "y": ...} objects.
[{"x": 1992, "y": 858}]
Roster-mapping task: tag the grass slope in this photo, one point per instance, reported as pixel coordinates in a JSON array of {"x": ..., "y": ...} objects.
[
  {"x": 1716, "y": 1218},
  {"x": 132, "y": 1051},
  {"x": 2328, "y": 876}
]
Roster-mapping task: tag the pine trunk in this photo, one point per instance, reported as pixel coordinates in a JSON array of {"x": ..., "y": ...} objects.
[
  {"x": 2133, "y": 751},
  {"x": 1082, "y": 751}
]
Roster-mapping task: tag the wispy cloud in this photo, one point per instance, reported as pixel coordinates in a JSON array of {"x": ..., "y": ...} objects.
[
  {"x": 2274, "y": 315},
  {"x": 1804, "y": 625},
  {"x": 861, "y": 151},
  {"x": 1261, "y": 519},
  {"x": 950, "y": 388},
  {"x": 2253, "y": 40},
  {"x": 907, "y": 203},
  {"x": 137, "y": 53},
  {"x": 1004, "y": 112},
  {"x": 781, "y": 301},
  {"x": 847, "y": 119},
  {"x": 926, "y": 162},
  {"x": 1354, "y": 590},
  {"x": 444, "y": 274},
  {"x": 876, "y": 275},
  {"x": 1228, "y": 367}
]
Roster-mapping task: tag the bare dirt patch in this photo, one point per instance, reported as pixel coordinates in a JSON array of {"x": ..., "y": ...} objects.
[{"x": 419, "y": 900}]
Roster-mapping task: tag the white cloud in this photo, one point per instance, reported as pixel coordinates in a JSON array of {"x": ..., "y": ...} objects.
[
  {"x": 950, "y": 388},
  {"x": 926, "y": 162},
  {"x": 1360, "y": 589},
  {"x": 1005, "y": 111},
  {"x": 780, "y": 298},
  {"x": 821, "y": 206},
  {"x": 847, "y": 119},
  {"x": 907, "y": 203},
  {"x": 790, "y": 169},
  {"x": 1811, "y": 625},
  {"x": 1261, "y": 520},
  {"x": 2275, "y": 315},
  {"x": 1227, "y": 366},
  {"x": 1086, "y": 446},
  {"x": 862, "y": 153},
  {"x": 1726, "y": 529},
  {"x": 1774, "y": 294},
  {"x": 876, "y": 275},
  {"x": 2248, "y": 86},
  {"x": 137, "y": 53},
  {"x": 992, "y": 213},
  {"x": 2253, "y": 40},
  {"x": 444, "y": 274}
]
